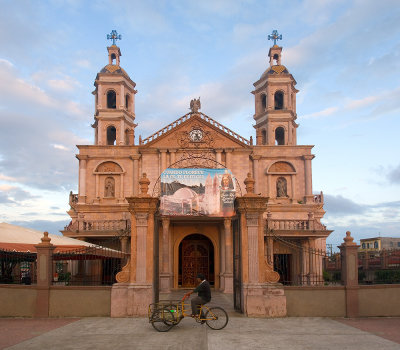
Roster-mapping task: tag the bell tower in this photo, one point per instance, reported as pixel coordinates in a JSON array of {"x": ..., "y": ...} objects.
[
  {"x": 275, "y": 102},
  {"x": 114, "y": 101}
]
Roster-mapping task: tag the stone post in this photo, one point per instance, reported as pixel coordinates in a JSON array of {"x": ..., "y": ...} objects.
[
  {"x": 349, "y": 255},
  {"x": 44, "y": 275},
  {"x": 134, "y": 290},
  {"x": 262, "y": 296}
]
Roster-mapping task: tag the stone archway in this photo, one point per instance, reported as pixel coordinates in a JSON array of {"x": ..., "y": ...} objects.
[{"x": 196, "y": 255}]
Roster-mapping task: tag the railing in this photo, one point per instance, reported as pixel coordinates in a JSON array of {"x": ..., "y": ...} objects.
[
  {"x": 379, "y": 267},
  {"x": 284, "y": 224},
  {"x": 89, "y": 266},
  {"x": 17, "y": 267},
  {"x": 99, "y": 225},
  {"x": 186, "y": 117}
]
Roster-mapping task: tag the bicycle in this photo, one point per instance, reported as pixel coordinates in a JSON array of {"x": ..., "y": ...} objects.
[{"x": 168, "y": 313}]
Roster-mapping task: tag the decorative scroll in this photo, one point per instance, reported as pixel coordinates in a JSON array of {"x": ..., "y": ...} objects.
[
  {"x": 123, "y": 275},
  {"x": 197, "y": 192},
  {"x": 270, "y": 275}
]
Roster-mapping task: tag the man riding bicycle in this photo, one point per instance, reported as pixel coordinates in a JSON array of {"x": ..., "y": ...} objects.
[{"x": 203, "y": 295}]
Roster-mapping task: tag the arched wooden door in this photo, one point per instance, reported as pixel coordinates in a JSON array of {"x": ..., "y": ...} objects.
[{"x": 197, "y": 257}]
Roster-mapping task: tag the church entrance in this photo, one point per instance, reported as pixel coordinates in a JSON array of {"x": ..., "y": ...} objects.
[{"x": 196, "y": 255}]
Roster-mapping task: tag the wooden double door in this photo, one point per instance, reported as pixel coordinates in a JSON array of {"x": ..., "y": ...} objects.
[{"x": 197, "y": 257}]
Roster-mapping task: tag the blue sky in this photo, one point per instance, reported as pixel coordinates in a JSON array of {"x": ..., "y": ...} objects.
[{"x": 344, "y": 55}]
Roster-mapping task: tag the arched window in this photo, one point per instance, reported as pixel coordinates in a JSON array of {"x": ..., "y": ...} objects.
[
  {"x": 281, "y": 187},
  {"x": 111, "y": 135},
  {"x": 263, "y": 102},
  {"x": 278, "y": 98},
  {"x": 111, "y": 99},
  {"x": 264, "y": 136},
  {"x": 279, "y": 136},
  {"x": 276, "y": 59},
  {"x": 127, "y": 101}
]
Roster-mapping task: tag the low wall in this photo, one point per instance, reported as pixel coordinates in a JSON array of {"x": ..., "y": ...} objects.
[
  {"x": 17, "y": 300},
  {"x": 71, "y": 301},
  {"x": 379, "y": 300},
  {"x": 315, "y": 301}
]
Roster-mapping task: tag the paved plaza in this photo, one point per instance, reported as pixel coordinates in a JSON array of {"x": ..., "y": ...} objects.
[{"x": 241, "y": 333}]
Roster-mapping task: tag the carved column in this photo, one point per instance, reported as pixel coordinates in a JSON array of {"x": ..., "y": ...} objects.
[
  {"x": 256, "y": 173},
  {"x": 135, "y": 172},
  {"x": 121, "y": 137},
  {"x": 82, "y": 178},
  {"x": 228, "y": 154},
  {"x": 163, "y": 164},
  {"x": 172, "y": 153},
  {"x": 228, "y": 256},
  {"x": 164, "y": 276},
  {"x": 218, "y": 157},
  {"x": 308, "y": 178}
]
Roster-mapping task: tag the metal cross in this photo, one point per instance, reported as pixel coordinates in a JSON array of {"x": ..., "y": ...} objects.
[
  {"x": 275, "y": 36},
  {"x": 113, "y": 36}
]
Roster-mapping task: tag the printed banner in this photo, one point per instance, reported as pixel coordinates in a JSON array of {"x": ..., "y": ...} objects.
[{"x": 197, "y": 192}]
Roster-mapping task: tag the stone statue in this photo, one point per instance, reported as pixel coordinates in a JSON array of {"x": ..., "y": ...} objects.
[
  {"x": 109, "y": 187},
  {"x": 281, "y": 187},
  {"x": 195, "y": 105}
]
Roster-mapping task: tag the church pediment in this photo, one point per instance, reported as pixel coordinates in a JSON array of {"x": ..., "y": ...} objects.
[{"x": 195, "y": 130}]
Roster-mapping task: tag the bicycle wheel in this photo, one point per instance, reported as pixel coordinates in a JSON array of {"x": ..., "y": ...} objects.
[
  {"x": 216, "y": 318},
  {"x": 162, "y": 320}
]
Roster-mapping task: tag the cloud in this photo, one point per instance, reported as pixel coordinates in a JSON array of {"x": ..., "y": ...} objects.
[
  {"x": 14, "y": 195},
  {"x": 53, "y": 227},
  {"x": 394, "y": 175},
  {"x": 339, "y": 205},
  {"x": 324, "y": 113}
]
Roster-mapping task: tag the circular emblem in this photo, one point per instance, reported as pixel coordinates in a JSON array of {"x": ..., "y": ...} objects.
[{"x": 196, "y": 135}]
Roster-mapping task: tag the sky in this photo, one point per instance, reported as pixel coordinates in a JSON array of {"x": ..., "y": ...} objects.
[{"x": 344, "y": 55}]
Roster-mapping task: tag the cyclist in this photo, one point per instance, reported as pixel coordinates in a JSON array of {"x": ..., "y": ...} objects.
[{"x": 203, "y": 295}]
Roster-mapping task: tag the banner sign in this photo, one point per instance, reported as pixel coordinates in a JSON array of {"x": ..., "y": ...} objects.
[{"x": 197, "y": 192}]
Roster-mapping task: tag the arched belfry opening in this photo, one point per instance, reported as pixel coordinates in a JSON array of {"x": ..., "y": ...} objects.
[
  {"x": 111, "y": 99},
  {"x": 127, "y": 102},
  {"x": 196, "y": 255},
  {"x": 113, "y": 58},
  {"x": 111, "y": 135},
  {"x": 278, "y": 99},
  {"x": 279, "y": 136}
]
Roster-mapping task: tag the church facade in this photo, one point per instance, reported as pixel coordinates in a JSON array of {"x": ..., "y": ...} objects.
[{"x": 127, "y": 189}]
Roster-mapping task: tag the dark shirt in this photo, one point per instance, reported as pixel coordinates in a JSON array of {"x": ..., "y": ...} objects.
[{"x": 203, "y": 291}]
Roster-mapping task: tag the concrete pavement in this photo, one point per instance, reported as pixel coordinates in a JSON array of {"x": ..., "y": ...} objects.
[{"x": 240, "y": 333}]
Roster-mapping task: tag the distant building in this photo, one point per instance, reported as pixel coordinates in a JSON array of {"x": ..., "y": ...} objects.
[{"x": 377, "y": 244}]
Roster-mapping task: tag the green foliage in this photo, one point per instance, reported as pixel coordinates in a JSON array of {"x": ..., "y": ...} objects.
[
  {"x": 64, "y": 277},
  {"x": 387, "y": 276}
]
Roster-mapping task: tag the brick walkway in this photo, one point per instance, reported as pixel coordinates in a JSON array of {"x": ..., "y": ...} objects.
[
  {"x": 385, "y": 327},
  {"x": 16, "y": 330}
]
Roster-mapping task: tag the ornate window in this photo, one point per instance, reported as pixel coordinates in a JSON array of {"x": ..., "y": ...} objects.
[{"x": 111, "y": 99}]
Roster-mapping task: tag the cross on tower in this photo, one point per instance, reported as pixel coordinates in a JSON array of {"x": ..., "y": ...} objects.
[
  {"x": 275, "y": 36},
  {"x": 114, "y": 36}
]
